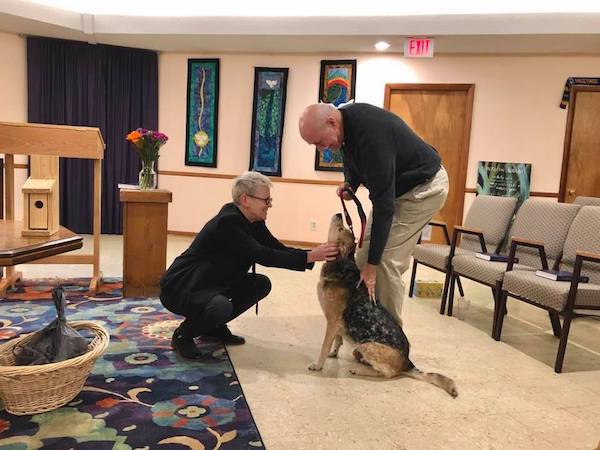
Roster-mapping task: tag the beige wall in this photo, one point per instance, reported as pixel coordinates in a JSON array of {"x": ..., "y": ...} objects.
[
  {"x": 515, "y": 118},
  {"x": 13, "y": 97}
]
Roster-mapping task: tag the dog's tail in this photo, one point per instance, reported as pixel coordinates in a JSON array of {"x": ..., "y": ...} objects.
[{"x": 436, "y": 379}]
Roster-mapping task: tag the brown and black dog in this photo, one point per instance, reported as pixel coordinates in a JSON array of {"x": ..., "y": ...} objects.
[{"x": 379, "y": 339}]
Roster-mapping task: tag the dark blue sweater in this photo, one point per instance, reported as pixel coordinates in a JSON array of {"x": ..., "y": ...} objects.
[{"x": 382, "y": 153}]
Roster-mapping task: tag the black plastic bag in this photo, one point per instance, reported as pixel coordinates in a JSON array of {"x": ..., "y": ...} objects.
[{"x": 56, "y": 342}]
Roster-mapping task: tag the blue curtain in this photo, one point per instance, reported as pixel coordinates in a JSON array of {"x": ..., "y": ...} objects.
[{"x": 112, "y": 88}]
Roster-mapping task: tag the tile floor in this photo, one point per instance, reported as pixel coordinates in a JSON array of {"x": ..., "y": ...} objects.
[{"x": 509, "y": 395}]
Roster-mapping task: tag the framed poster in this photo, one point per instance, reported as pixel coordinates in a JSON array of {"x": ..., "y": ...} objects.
[
  {"x": 504, "y": 179},
  {"x": 268, "y": 111},
  {"x": 202, "y": 112},
  {"x": 337, "y": 85}
]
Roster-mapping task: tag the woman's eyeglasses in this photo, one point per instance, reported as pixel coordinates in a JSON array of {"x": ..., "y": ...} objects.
[{"x": 268, "y": 201}]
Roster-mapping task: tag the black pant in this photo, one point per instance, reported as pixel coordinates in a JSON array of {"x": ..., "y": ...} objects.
[{"x": 224, "y": 307}]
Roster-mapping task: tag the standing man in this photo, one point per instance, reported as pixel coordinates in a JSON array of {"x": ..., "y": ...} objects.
[
  {"x": 406, "y": 181},
  {"x": 209, "y": 283}
]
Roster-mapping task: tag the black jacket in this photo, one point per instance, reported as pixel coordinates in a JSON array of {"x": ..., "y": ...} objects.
[
  {"x": 221, "y": 255},
  {"x": 382, "y": 153}
]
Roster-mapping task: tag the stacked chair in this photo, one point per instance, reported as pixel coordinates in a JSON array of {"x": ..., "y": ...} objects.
[
  {"x": 536, "y": 222},
  {"x": 580, "y": 255},
  {"x": 488, "y": 216}
]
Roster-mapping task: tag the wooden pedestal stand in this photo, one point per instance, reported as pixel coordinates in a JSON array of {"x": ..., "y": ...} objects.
[
  {"x": 144, "y": 240},
  {"x": 53, "y": 140}
]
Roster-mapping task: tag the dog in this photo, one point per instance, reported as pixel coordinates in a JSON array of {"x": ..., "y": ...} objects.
[{"x": 381, "y": 344}]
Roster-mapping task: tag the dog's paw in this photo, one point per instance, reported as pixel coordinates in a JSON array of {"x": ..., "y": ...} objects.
[
  {"x": 315, "y": 366},
  {"x": 333, "y": 354}
]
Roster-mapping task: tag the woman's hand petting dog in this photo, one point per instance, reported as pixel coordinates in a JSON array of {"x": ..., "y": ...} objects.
[
  {"x": 327, "y": 251},
  {"x": 368, "y": 276}
]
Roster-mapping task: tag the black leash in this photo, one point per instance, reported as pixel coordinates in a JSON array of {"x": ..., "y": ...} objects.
[{"x": 361, "y": 213}]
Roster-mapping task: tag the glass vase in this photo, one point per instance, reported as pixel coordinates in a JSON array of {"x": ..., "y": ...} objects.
[{"x": 147, "y": 178}]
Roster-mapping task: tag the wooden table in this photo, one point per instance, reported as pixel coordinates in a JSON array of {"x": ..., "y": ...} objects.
[
  {"x": 145, "y": 214},
  {"x": 17, "y": 249}
]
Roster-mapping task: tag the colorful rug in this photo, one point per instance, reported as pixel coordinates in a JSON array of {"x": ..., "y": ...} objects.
[{"x": 140, "y": 395}]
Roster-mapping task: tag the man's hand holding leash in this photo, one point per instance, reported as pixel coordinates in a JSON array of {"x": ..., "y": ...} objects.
[{"x": 368, "y": 274}]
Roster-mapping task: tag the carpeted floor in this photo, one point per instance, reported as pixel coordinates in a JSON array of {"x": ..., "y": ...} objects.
[{"x": 140, "y": 395}]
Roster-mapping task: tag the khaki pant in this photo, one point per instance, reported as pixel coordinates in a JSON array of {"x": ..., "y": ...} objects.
[{"x": 413, "y": 211}]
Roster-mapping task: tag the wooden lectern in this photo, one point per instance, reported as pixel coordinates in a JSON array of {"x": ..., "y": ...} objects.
[
  {"x": 145, "y": 214},
  {"x": 48, "y": 142}
]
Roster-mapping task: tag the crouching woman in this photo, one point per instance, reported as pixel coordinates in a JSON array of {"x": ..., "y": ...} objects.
[{"x": 209, "y": 284}]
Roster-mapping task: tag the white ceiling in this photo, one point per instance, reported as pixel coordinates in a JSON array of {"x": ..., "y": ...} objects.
[{"x": 506, "y": 32}]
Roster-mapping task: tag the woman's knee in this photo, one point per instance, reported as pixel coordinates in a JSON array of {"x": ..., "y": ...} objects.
[
  {"x": 262, "y": 286},
  {"x": 218, "y": 309}
]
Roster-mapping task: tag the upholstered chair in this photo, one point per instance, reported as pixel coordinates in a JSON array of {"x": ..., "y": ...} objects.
[
  {"x": 581, "y": 256},
  {"x": 488, "y": 214}
]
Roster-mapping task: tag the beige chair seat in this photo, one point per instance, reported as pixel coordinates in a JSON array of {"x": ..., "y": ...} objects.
[
  {"x": 487, "y": 272},
  {"x": 549, "y": 293},
  {"x": 436, "y": 255}
]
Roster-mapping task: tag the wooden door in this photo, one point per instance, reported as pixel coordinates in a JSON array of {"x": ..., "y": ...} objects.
[
  {"x": 441, "y": 115},
  {"x": 581, "y": 158}
]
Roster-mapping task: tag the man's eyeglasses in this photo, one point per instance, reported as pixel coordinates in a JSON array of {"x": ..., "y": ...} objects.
[{"x": 268, "y": 201}]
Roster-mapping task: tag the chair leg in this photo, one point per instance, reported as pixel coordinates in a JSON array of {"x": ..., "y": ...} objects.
[
  {"x": 501, "y": 306},
  {"x": 460, "y": 288},
  {"x": 494, "y": 295},
  {"x": 555, "y": 321},
  {"x": 562, "y": 346},
  {"x": 497, "y": 290},
  {"x": 445, "y": 291},
  {"x": 411, "y": 290},
  {"x": 451, "y": 294}
]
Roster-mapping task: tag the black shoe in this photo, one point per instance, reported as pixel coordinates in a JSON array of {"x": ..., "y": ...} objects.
[
  {"x": 186, "y": 346},
  {"x": 224, "y": 335}
]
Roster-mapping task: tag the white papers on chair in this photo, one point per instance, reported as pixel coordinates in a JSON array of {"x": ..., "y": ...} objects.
[
  {"x": 492, "y": 257},
  {"x": 559, "y": 275}
]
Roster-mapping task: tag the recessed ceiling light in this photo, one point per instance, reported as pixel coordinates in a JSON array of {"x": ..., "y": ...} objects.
[{"x": 382, "y": 46}]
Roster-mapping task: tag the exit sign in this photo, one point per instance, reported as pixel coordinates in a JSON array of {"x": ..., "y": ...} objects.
[{"x": 418, "y": 48}]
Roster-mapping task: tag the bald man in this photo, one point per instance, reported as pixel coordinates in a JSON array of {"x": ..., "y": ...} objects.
[{"x": 406, "y": 181}]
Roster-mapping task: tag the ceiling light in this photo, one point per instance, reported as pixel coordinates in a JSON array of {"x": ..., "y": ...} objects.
[{"x": 382, "y": 46}]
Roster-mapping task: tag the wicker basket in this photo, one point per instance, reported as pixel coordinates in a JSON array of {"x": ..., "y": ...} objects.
[{"x": 35, "y": 389}]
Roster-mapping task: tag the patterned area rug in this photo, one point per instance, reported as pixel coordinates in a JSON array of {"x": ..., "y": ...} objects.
[{"x": 140, "y": 395}]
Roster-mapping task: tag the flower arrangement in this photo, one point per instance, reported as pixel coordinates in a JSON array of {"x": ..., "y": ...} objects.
[{"x": 147, "y": 143}]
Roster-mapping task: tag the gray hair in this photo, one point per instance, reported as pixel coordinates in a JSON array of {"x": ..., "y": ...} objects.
[{"x": 248, "y": 183}]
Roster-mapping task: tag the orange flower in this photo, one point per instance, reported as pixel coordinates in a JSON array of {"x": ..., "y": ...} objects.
[{"x": 134, "y": 136}]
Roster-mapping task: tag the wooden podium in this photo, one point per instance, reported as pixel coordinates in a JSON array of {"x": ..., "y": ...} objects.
[{"x": 145, "y": 215}]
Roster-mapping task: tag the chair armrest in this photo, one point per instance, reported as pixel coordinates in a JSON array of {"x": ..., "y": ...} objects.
[
  {"x": 522, "y": 242},
  {"x": 459, "y": 229},
  {"x": 580, "y": 257},
  {"x": 443, "y": 226},
  {"x": 468, "y": 230},
  {"x": 588, "y": 256}
]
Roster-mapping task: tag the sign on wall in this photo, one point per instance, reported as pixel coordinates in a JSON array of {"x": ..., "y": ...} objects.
[{"x": 504, "y": 179}]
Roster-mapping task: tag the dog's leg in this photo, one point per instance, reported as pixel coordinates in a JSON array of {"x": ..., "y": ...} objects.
[
  {"x": 331, "y": 332},
  {"x": 364, "y": 371},
  {"x": 385, "y": 361},
  {"x": 336, "y": 346}
]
